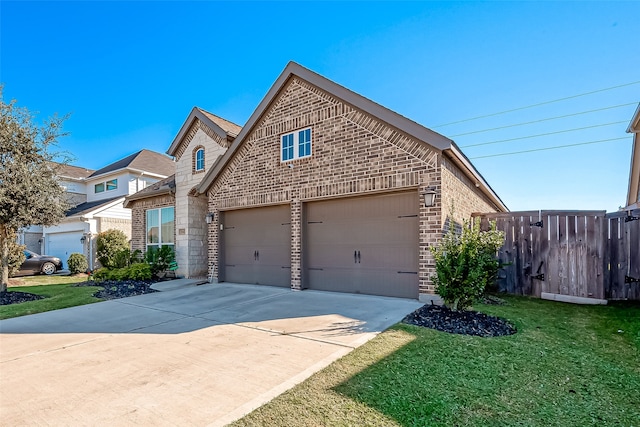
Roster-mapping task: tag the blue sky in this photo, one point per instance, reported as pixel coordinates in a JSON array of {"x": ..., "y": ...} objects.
[{"x": 130, "y": 72}]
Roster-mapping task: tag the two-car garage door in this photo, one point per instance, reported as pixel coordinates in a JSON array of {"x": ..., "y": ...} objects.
[{"x": 363, "y": 245}]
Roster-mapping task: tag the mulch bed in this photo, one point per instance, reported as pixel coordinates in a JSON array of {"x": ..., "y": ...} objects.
[
  {"x": 111, "y": 290},
  {"x": 474, "y": 323},
  {"x": 16, "y": 297}
]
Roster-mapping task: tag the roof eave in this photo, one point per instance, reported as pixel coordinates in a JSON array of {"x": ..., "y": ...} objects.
[
  {"x": 133, "y": 198},
  {"x": 467, "y": 167},
  {"x": 634, "y": 125}
]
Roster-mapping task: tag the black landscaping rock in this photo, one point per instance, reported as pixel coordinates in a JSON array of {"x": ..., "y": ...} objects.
[
  {"x": 120, "y": 289},
  {"x": 459, "y": 322},
  {"x": 15, "y": 297}
]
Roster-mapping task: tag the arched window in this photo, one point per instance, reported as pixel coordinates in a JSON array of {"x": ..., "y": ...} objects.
[{"x": 198, "y": 159}]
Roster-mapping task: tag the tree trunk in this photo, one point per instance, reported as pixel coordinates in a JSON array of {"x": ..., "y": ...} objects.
[{"x": 4, "y": 258}]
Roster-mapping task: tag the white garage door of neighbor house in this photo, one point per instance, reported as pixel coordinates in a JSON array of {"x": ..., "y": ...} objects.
[{"x": 62, "y": 245}]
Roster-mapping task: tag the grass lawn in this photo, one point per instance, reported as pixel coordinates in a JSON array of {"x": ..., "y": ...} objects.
[
  {"x": 568, "y": 365},
  {"x": 57, "y": 290}
]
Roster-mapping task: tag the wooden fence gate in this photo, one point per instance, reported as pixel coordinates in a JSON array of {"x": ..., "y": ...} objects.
[
  {"x": 622, "y": 256},
  {"x": 585, "y": 254}
]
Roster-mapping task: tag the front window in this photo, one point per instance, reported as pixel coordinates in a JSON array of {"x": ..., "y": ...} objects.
[
  {"x": 296, "y": 145},
  {"x": 160, "y": 228}
]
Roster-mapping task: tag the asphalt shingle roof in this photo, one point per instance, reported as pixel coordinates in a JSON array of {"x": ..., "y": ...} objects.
[{"x": 145, "y": 160}]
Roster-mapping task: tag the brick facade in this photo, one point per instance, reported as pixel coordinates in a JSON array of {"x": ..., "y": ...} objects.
[{"x": 353, "y": 154}]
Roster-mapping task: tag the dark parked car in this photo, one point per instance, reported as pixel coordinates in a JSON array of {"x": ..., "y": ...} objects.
[{"x": 35, "y": 264}]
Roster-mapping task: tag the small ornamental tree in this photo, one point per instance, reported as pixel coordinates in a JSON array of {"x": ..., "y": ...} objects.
[
  {"x": 29, "y": 190},
  {"x": 16, "y": 257},
  {"x": 466, "y": 264},
  {"x": 111, "y": 246}
]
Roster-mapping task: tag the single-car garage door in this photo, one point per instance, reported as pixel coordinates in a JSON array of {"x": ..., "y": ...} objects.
[
  {"x": 257, "y": 246},
  {"x": 363, "y": 245},
  {"x": 62, "y": 245}
]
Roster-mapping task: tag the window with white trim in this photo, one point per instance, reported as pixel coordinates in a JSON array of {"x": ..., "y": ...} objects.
[
  {"x": 199, "y": 160},
  {"x": 160, "y": 228},
  {"x": 110, "y": 185},
  {"x": 295, "y": 145}
]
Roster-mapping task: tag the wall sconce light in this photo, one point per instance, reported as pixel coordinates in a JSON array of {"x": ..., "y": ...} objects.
[
  {"x": 209, "y": 218},
  {"x": 429, "y": 197},
  {"x": 83, "y": 239},
  {"x": 39, "y": 241}
]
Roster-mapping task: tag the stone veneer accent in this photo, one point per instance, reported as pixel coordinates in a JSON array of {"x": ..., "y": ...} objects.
[{"x": 353, "y": 154}]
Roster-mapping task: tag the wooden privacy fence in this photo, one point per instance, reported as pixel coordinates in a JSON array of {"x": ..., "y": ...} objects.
[{"x": 583, "y": 254}]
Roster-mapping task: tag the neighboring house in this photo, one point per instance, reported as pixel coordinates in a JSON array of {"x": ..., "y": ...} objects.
[
  {"x": 633, "y": 194},
  {"x": 71, "y": 178},
  {"x": 321, "y": 189},
  {"x": 97, "y": 198}
]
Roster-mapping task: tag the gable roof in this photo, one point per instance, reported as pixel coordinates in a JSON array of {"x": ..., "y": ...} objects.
[
  {"x": 72, "y": 172},
  {"x": 85, "y": 208},
  {"x": 165, "y": 186},
  {"x": 142, "y": 161},
  {"x": 438, "y": 142},
  {"x": 221, "y": 127}
]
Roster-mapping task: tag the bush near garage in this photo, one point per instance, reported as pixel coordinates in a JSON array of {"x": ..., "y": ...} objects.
[
  {"x": 77, "y": 263},
  {"x": 111, "y": 247},
  {"x": 466, "y": 264}
]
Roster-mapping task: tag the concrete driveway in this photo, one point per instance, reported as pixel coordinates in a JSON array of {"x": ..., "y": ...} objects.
[{"x": 202, "y": 355}]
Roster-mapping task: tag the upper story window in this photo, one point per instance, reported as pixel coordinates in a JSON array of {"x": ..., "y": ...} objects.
[
  {"x": 198, "y": 159},
  {"x": 295, "y": 145},
  {"x": 112, "y": 184}
]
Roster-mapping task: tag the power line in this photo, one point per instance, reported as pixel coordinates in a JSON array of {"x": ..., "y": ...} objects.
[
  {"x": 544, "y": 120},
  {"x": 537, "y": 105},
  {"x": 544, "y": 134},
  {"x": 548, "y": 148}
]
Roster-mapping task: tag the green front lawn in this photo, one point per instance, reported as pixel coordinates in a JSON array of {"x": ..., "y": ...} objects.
[
  {"x": 568, "y": 365},
  {"x": 58, "y": 291}
]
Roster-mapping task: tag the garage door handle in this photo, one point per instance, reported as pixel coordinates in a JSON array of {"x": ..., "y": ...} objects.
[
  {"x": 256, "y": 255},
  {"x": 407, "y": 272},
  {"x": 357, "y": 256}
]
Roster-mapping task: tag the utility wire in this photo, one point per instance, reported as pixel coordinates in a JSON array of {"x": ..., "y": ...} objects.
[
  {"x": 543, "y": 134},
  {"x": 544, "y": 120},
  {"x": 548, "y": 148},
  {"x": 536, "y": 105}
]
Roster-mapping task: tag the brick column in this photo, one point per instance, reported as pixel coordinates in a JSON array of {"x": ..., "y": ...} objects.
[
  {"x": 430, "y": 229},
  {"x": 296, "y": 243}
]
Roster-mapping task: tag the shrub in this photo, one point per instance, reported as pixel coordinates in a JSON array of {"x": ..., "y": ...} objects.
[
  {"x": 466, "y": 264},
  {"x": 110, "y": 246},
  {"x": 133, "y": 272},
  {"x": 77, "y": 263},
  {"x": 139, "y": 272},
  {"x": 160, "y": 259}
]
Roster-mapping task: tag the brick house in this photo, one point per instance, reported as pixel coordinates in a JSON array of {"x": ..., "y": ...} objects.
[{"x": 321, "y": 189}]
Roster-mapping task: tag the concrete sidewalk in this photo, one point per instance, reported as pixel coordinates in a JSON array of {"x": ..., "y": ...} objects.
[{"x": 196, "y": 355}]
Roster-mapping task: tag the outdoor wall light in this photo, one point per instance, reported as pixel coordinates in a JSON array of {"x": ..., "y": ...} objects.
[
  {"x": 429, "y": 197},
  {"x": 83, "y": 239},
  {"x": 209, "y": 218}
]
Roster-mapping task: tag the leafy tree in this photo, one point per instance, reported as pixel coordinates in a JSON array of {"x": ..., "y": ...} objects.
[
  {"x": 113, "y": 249},
  {"x": 466, "y": 264},
  {"x": 29, "y": 190},
  {"x": 16, "y": 256}
]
